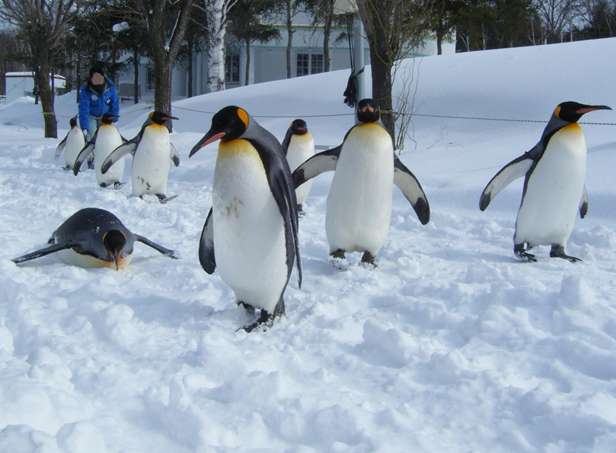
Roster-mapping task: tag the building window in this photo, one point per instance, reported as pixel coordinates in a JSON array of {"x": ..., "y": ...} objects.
[
  {"x": 316, "y": 63},
  {"x": 302, "y": 64},
  {"x": 309, "y": 63},
  {"x": 232, "y": 68}
]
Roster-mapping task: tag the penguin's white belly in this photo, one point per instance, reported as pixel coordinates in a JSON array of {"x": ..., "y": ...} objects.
[
  {"x": 249, "y": 240},
  {"x": 301, "y": 148},
  {"x": 74, "y": 143},
  {"x": 70, "y": 257},
  {"x": 360, "y": 197},
  {"x": 152, "y": 162},
  {"x": 107, "y": 139},
  {"x": 554, "y": 190}
]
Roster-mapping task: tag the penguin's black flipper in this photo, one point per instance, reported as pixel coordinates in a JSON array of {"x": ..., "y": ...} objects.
[
  {"x": 42, "y": 252},
  {"x": 206, "y": 245},
  {"x": 83, "y": 155},
  {"x": 117, "y": 154},
  {"x": 287, "y": 141},
  {"x": 584, "y": 204},
  {"x": 412, "y": 190},
  {"x": 60, "y": 147},
  {"x": 513, "y": 170},
  {"x": 317, "y": 164},
  {"x": 159, "y": 248},
  {"x": 281, "y": 186}
]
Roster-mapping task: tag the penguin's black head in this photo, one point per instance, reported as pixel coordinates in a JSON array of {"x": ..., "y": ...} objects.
[
  {"x": 116, "y": 246},
  {"x": 108, "y": 118},
  {"x": 572, "y": 111},
  {"x": 368, "y": 111},
  {"x": 298, "y": 127},
  {"x": 161, "y": 118},
  {"x": 227, "y": 124},
  {"x": 73, "y": 122}
]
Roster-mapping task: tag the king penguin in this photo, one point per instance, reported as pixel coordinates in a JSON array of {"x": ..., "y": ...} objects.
[
  {"x": 152, "y": 153},
  {"x": 250, "y": 234},
  {"x": 105, "y": 140},
  {"x": 71, "y": 144},
  {"x": 555, "y": 171},
  {"x": 360, "y": 198},
  {"x": 93, "y": 237},
  {"x": 298, "y": 146}
]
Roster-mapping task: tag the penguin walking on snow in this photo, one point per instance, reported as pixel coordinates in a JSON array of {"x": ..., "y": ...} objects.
[
  {"x": 555, "y": 171},
  {"x": 105, "y": 140},
  {"x": 298, "y": 146},
  {"x": 250, "y": 234},
  {"x": 152, "y": 153},
  {"x": 71, "y": 144},
  {"x": 93, "y": 237},
  {"x": 360, "y": 197}
]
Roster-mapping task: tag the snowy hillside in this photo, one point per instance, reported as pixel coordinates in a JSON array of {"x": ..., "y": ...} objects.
[{"x": 450, "y": 345}]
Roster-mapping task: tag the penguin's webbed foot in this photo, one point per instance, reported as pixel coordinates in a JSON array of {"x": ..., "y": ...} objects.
[
  {"x": 338, "y": 254},
  {"x": 117, "y": 185},
  {"x": 250, "y": 310},
  {"x": 300, "y": 211},
  {"x": 337, "y": 259},
  {"x": 368, "y": 259},
  {"x": 520, "y": 251},
  {"x": 558, "y": 251},
  {"x": 103, "y": 185},
  {"x": 164, "y": 198},
  {"x": 265, "y": 319}
]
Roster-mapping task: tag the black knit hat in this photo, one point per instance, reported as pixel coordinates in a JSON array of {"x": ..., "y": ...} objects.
[{"x": 97, "y": 67}]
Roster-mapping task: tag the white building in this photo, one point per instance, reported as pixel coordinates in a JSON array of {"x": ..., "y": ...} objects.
[
  {"x": 267, "y": 60},
  {"x": 18, "y": 84}
]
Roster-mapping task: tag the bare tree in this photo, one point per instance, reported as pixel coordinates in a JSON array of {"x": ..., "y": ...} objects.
[
  {"x": 165, "y": 25},
  {"x": 555, "y": 15},
  {"x": 247, "y": 24},
  {"x": 394, "y": 28},
  {"x": 324, "y": 15},
  {"x": 42, "y": 24},
  {"x": 290, "y": 9}
]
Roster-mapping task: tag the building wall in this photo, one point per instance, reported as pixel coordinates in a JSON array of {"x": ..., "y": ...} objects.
[{"x": 268, "y": 60}]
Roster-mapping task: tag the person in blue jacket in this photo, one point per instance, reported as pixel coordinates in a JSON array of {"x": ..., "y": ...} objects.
[{"x": 97, "y": 97}]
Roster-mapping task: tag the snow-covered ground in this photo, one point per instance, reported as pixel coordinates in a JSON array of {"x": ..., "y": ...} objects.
[{"x": 450, "y": 345}]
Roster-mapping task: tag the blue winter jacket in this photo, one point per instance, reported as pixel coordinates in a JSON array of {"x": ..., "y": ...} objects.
[{"x": 95, "y": 104}]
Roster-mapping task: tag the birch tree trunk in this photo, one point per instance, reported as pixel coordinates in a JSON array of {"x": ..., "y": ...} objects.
[{"x": 216, "y": 12}]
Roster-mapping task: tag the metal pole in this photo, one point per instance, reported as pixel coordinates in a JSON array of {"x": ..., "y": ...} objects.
[{"x": 358, "y": 56}]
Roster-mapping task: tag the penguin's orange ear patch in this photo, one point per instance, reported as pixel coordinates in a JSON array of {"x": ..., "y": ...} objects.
[
  {"x": 557, "y": 112},
  {"x": 243, "y": 115}
]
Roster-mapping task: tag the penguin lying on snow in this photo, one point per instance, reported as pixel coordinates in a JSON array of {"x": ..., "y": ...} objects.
[
  {"x": 360, "y": 197},
  {"x": 94, "y": 237},
  {"x": 298, "y": 146},
  {"x": 105, "y": 140},
  {"x": 555, "y": 170},
  {"x": 71, "y": 144},
  {"x": 250, "y": 233},
  {"x": 152, "y": 156}
]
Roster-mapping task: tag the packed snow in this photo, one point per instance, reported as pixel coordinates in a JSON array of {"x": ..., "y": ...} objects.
[{"x": 449, "y": 345}]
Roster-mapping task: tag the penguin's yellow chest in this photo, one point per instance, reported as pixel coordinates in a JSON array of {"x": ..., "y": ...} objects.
[{"x": 240, "y": 179}]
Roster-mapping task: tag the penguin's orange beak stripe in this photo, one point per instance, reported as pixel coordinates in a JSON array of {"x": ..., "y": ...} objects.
[
  {"x": 209, "y": 138},
  {"x": 592, "y": 108}
]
